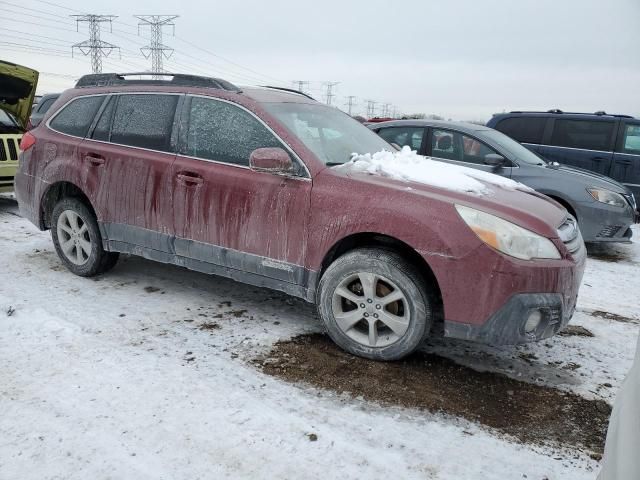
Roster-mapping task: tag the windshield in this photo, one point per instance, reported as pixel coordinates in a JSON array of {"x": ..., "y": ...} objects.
[
  {"x": 518, "y": 151},
  {"x": 8, "y": 123},
  {"x": 333, "y": 136}
]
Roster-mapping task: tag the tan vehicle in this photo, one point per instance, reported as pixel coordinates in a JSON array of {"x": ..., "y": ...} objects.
[{"x": 17, "y": 91}]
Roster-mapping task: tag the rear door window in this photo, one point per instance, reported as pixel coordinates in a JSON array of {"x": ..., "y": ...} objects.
[
  {"x": 224, "y": 132},
  {"x": 631, "y": 139},
  {"x": 523, "y": 129},
  {"x": 143, "y": 120},
  {"x": 76, "y": 117},
  {"x": 583, "y": 134},
  {"x": 404, "y": 136}
]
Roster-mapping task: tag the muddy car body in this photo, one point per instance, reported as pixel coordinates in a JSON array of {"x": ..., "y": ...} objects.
[{"x": 282, "y": 217}]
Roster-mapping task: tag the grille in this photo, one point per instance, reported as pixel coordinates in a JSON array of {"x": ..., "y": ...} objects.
[
  {"x": 9, "y": 148},
  {"x": 609, "y": 231},
  {"x": 570, "y": 235}
]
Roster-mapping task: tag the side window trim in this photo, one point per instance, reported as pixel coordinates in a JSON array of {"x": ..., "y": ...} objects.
[
  {"x": 62, "y": 107},
  {"x": 303, "y": 171}
]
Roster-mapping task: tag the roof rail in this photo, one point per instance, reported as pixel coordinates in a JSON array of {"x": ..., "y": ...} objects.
[
  {"x": 177, "y": 79},
  {"x": 290, "y": 90},
  {"x": 558, "y": 111}
]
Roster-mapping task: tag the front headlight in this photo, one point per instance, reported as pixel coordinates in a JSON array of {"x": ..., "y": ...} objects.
[
  {"x": 507, "y": 237},
  {"x": 607, "y": 196}
]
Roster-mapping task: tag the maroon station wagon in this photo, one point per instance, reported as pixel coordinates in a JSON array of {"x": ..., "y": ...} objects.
[{"x": 244, "y": 183}]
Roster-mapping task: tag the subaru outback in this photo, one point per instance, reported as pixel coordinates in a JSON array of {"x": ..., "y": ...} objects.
[{"x": 251, "y": 184}]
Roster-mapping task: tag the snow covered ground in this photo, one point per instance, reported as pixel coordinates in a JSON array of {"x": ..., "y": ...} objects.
[{"x": 144, "y": 373}]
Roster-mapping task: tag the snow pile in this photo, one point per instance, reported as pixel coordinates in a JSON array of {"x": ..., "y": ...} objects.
[{"x": 407, "y": 165}]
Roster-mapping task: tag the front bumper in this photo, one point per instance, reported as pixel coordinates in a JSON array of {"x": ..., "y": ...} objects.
[
  {"x": 507, "y": 325},
  {"x": 602, "y": 223}
]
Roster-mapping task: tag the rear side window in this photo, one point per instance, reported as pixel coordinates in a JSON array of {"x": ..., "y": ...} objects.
[
  {"x": 143, "y": 121},
  {"x": 411, "y": 136},
  {"x": 76, "y": 117},
  {"x": 582, "y": 134},
  {"x": 523, "y": 129},
  {"x": 225, "y": 133}
]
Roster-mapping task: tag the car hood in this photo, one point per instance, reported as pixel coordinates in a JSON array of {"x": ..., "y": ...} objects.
[
  {"x": 529, "y": 209},
  {"x": 17, "y": 90},
  {"x": 589, "y": 178}
]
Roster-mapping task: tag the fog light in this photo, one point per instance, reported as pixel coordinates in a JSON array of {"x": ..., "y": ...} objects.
[{"x": 535, "y": 317}]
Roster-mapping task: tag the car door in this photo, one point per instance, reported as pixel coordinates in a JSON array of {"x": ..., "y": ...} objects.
[
  {"x": 127, "y": 159},
  {"x": 454, "y": 147},
  {"x": 583, "y": 143},
  {"x": 626, "y": 158},
  {"x": 230, "y": 219}
]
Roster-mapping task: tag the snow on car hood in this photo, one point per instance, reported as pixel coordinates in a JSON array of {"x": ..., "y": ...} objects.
[{"x": 407, "y": 165}]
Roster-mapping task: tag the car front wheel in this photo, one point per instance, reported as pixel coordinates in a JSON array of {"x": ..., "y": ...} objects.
[{"x": 375, "y": 304}]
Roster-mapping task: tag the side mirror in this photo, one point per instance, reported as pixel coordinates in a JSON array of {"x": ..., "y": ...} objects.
[
  {"x": 271, "y": 160},
  {"x": 494, "y": 160}
]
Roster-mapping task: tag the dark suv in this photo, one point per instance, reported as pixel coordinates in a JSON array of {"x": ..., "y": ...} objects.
[
  {"x": 607, "y": 144},
  {"x": 252, "y": 184}
]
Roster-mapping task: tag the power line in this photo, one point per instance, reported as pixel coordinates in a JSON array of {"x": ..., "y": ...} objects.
[
  {"x": 156, "y": 49},
  {"x": 94, "y": 46}
]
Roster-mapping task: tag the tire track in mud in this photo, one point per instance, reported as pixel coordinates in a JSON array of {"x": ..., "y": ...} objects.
[{"x": 530, "y": 413}]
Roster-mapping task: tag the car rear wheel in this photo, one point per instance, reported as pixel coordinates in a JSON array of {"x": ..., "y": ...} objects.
[
  {"x": 77, "y": 239},
  {"x": 375, "y": 304}
]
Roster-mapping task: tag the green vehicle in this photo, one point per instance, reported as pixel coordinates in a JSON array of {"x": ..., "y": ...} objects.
[{"x": 17, "y": 91}]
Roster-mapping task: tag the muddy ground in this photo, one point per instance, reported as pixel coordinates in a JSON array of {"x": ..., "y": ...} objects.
[{"x": 530, "y": 413}]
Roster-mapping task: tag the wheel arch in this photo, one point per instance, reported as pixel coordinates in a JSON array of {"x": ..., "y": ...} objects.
[
  {"x": 564, "y": 202},
  {"x": 372, "y": 239},
  {"x": 56, "y": 192}
]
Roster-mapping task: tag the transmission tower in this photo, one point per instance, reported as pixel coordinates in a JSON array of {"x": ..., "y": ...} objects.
[
  {"x": 329, "y": 92},
  {"x": 371, "y": 108},
  {"x": 385, "y": 110},
  {"x": 156, "y": 49},
  {"x": 94, "y": 46},
  {"x": 300, "y": 85},
  {"x": 351, "y": 102}
]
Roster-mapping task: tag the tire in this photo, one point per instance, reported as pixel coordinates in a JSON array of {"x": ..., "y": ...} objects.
[
  {"x": 77, "y": 239},
  {"x": 362, "y": 330}
]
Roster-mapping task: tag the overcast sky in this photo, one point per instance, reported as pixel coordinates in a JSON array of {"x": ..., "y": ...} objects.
[{"x": 462, "y": 59}]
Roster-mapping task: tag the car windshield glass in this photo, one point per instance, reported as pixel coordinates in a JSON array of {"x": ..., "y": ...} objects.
[
  {"x": 519, "y": 152},
  {"x": 7, "y": 120},
  {"x": 333, "y": 136}
]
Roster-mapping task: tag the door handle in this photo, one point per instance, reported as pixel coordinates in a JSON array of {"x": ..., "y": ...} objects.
[
  {"x": 188, "y": 178},
  {"x": 94, "y": 159},
  {"x": 598, "y": 159},
  {"x": 624, "y": 162}
]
